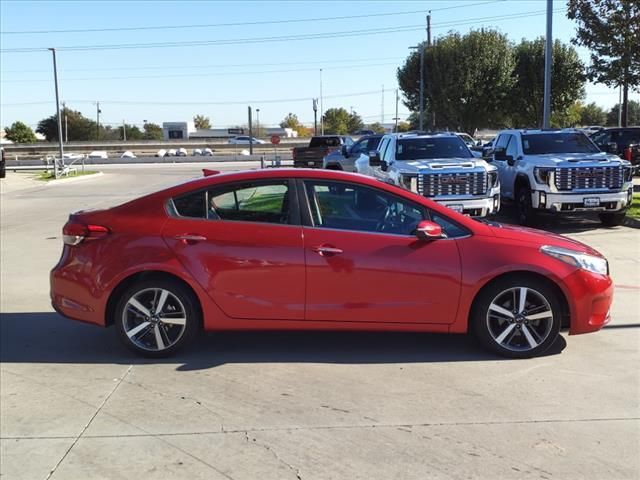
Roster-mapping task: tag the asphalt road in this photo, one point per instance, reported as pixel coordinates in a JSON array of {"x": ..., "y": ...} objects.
[{"x": 74, "y": 404}]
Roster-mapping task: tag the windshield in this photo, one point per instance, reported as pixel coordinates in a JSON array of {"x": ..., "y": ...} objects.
[
  {"x": 562, "y": 142},
  {"x": 425, "y": 148}
]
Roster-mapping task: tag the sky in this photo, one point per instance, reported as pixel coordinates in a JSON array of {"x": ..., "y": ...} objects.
[{"x": 275, "y": 56}]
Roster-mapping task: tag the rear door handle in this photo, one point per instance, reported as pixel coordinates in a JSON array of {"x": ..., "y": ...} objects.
[
  {"x": 327, "y": 251},
  {"x": 191, "y": 238}
]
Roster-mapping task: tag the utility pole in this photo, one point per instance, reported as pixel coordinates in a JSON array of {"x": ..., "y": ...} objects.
[
  {"x": 66, "y": 127},
  {"x": 98, "y": 120},
  {"x": 620, "y": 106},
  {"x": 60, "y": 146},
  {"x": 124, "y": 131},
  {"x": 382, "y": 107},
  {"x": 432, "y": 116},
  {"x": 315, "y": 116},
  {"x": 250, "y": 132},
  {"x": 548, "y": 52},
  {"x": 321, "y": 108},
  {"x": 258, "y": 122},
  {"x": 396, "y": 118}
]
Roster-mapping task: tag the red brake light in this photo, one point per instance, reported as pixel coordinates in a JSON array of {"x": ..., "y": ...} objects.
[
  {"x": 627, "y": 153},
  {"x": 74, "y": 233}
]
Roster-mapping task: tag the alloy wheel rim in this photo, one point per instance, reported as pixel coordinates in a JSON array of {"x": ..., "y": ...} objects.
[
  {"x": 519, "y": 319},
  {"x": 154, "y": 319}
]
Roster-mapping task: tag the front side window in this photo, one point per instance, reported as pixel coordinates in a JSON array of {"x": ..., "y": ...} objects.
[
  {"x": 512, "y": 146},
  {"x": 434, "y": 147},
  {"x": 560, "y": 142},
  {"x": 345, "y": 206},
  {"x": 360, "y": 147}
]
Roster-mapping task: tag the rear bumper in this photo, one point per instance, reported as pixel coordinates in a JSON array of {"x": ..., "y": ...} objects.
[
  {"x": 307, "y": 163},
  {"x": 72, "y": 300},
  {"x": 590, "y": 296},
  {"x": 575, "y": 202}
]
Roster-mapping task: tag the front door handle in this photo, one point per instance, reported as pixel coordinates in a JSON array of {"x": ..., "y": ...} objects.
[
  {"x": 189, "y": 239},
  {"x": 324, "y": 251}
]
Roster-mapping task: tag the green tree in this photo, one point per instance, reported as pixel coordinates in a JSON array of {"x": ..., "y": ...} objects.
[
  {"x": 404, "y": 127},
  {"x": 291, "y": 121},
  {"x": 568, "y": 117},
  {"x": 355, "y": 122},
  {"x": 592, "y": 114},
  {"x": 467, "y": 79},
  {"x": 527, "y": 95},
  {"x": 201, "y": 122},
  {"x": 20, "y": 133},
  {"x": 132, "y": 131},
  {"x": 633, "y": 115},
  {"x": 376, "y": 127},
  {"x": 153, "y": 131},
  {"x": 76, "y": 128},
  {"x": 336, "y": 121},
  {"x": 609, "y": 28}
]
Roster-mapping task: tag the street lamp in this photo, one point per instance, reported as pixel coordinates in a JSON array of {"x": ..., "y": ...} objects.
[
  {"x": 258, "y": 122},
  {"x": 421, "y": 118}
]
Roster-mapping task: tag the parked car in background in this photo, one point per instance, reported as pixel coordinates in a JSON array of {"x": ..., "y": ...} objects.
[
  {"x": 243, "y": 140},
  {"x": 207, "y": 152},
  {"x": 364, "y": 132},
  {"x": 294, "y": 249},
  {"x": 127, "y": 154},
  {"x": 592, "y": 129},
  {"x": 319, "y": 146},
  {"x": 468, "y": 140},
  {"x": 161, "y": 153},
  {"x": 171, "y": 152},
  {"x": 561, "y": 171},
  {"x": 621, "y": 141},
  {"x": 345, "y": 157},
  {"x": 438, "y": 166},
  {"x": 102, "y": 154},
  {"x": 197, "y": 152},
  {"x": 181, "y": 152}
]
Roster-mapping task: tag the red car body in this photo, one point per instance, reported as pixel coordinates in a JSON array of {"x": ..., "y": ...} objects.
[{"x": 250, "y": 276}]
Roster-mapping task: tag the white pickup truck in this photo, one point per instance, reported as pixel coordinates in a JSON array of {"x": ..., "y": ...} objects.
[
  {"x": 561, "y": 171},
  {"x": 439, "y": 166}
]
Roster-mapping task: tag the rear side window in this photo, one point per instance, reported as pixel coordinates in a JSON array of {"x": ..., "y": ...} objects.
[
  {"x": 324, "y": 142},
  {"x": 191, "y": 205}
]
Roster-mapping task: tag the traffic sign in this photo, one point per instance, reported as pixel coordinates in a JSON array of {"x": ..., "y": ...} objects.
[
  {"x": 235, "y": 131},
  {"x": 275, "y": 139}
]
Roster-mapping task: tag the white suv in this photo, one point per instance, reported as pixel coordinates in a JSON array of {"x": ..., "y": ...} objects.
[{"x": 561, "y": 171}]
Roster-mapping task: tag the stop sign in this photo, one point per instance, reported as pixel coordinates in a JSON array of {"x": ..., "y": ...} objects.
[{"x": 275, "y": 139}]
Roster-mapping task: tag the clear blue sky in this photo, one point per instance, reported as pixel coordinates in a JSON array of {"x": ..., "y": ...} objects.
[{"x": 275, "y": 76}]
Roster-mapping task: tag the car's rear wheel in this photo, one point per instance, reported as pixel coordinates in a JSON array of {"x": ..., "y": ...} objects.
[
  {"x": 155, "y": 318},
  {"x": 517, "y": 317},
  {"x": 612, "y": 219}
]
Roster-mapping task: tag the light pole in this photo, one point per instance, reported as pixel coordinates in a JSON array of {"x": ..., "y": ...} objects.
[
  {"x": 258, "y": 122},
  {"x": 421, "y": 114},
  {"x": 315, "y": 116},
  {"x": 60, "y": 145},
  {"x": 548, "y": 52},
  {"x": 98, "y": 112},
  {"x": 321, "y": 109}
]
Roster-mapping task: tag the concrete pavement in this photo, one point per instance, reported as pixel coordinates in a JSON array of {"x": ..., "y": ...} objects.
[{"x": 75, "y": 404}]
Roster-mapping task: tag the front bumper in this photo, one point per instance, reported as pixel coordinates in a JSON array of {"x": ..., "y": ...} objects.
[
  {"x": 582, "y": 202},
  {"x": 474, "y": 207},
  {"x": 590, "y": 296}
]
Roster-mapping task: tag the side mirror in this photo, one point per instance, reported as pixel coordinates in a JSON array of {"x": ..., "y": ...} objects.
[
  {"x": 427, "y": 231},
  {"x": 612, "y": 147},
  {"x": 374, "y": 159},
  {"x": 500, "y": 154},
  {"x": 384, "y": 166},
  {"x": 345, "y": 151},
  {"x": 510, "y": 160},
  {"x": 487, "y": 154}
]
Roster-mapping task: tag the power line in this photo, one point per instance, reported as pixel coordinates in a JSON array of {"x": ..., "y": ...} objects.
[
  {"x": 289, "y": 38},
  {"x": 238, "y": 24}
]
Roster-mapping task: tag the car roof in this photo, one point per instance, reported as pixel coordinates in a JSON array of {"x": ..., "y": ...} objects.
[
  {"x": 418, "y": 134},
  {"x": 539, "y": 131}
]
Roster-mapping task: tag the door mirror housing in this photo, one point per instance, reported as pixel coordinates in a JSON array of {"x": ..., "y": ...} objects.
[
  {"x": 384, "y": 166},
  {"x": 345, "y": 151},
  {"x": 510, "y": 160},
  {"x": 428, "y": 231},
  {"x": 374, "y": 159}
]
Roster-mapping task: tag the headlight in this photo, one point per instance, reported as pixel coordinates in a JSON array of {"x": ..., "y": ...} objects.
[
  {"x": 578, "y": 259},
  {"x": 627, "y": 173},
  {"x": 542, "y": 175},
  {"x": 410, "y": 182},
  {"x": 493, "y": 179}
]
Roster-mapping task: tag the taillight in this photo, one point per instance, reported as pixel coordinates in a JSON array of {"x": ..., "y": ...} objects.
[
  {"x": 75, "y": 233},
  {"x": 627, "y": 154}
]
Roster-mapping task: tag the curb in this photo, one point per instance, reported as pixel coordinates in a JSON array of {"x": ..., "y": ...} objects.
[
  {"x": 61, "y": 181},
  {"x": 632, "y": 222}
]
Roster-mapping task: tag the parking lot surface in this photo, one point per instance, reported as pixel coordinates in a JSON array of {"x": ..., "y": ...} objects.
[{"x": 75, "y": 404}]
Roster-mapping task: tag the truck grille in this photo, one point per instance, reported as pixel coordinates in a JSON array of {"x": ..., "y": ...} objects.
[
  {"x": 583, "y": 178},
  {"x": 460, "y": 183}
]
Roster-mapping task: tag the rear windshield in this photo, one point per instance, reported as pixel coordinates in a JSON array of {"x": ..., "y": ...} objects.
[
  {"x": 424, "y": 148},
  {"x": 324, "y": 142},
  {"x": 561, "y": 142}
]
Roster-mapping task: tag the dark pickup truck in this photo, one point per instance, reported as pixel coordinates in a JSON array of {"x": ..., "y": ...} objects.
[
  {"x": 319, "y": 147},
  {"x": 621, "y": 141}
]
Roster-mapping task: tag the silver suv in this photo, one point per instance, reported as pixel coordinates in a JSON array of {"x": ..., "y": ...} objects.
[
  {"x": 439, "y": 166},
  {"x": 561, "y": 171}
]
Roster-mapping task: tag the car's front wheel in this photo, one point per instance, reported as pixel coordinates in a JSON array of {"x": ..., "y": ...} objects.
[
  {"x": 613, "y": 219},
  {"x": 517, "y": 317},
  {"x": 157, "y": 317}
]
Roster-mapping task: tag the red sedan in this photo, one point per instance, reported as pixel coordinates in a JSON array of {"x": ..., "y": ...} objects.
[{"x": 320, "y": 250}]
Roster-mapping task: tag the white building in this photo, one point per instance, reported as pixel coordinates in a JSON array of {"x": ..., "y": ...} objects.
[{"x": 177, "y": 130}]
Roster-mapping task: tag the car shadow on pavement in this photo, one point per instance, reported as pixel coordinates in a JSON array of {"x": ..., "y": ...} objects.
[{"x": 46, "y": 337}]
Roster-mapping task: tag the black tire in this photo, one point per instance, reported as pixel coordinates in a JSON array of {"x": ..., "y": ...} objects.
[
  {"x": 612, "y": 219},
  {"x": 489, "y": 325},
  {"x": 173, "y": 336},
  {"x": 525, "y": 214}
]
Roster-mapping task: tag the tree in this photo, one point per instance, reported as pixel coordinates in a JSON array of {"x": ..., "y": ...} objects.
[
  {"x": 568, "y": 117},
  {"x": 376, "y": 127},
  {"x": 132, "y": 131},
  {"x": 633, "y": 115},
  {"x": 76, "y": 128},
  {"x": 202, "y": 122},
  {"x": 20, "y": 133},
  {"x": 467, "y": 79},
  {"x": 291, "y": 121},
  {"x": 609, "y": 28},
  {"x": 404, "y": 127},
  {"x": 153, "y": 131},
  {"x": 355, "y": 122},
  {"x": 592, "y": 114},
  {"x": 336, "y": 121},
  {"x": 527, "y": 95}
]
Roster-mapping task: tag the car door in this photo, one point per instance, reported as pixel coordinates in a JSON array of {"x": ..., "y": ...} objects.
[
  {"x": 387, "y": 155},
  {"x": 242, "y": 243},
  {"x": 505, "y": 143},
  {"x": 364, "y": 264},
  {"x": 362, "y": 163}
]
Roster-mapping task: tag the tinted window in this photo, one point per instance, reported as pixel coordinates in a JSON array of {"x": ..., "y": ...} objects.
[
  {"x": 562, "y": 142},
  {"x": 436, "y": 147},
  {"x": 192, "y": 205},
  {"x": 449, "y": 227},
  {"x": 361, "y": 146},
  {"x": 252, "y": 202},
  {"x": 512, "y": 146},
  {"x": 601, "y": 138},
  {"x": 346, "y": 206},
  {"x": 502, "y": 141},
  {"x": 324, "y": 142}
]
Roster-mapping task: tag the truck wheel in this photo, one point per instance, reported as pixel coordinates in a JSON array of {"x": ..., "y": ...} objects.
[
  {"x": 525, "y": 214},
  {"x": 612, "y": 219}
]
